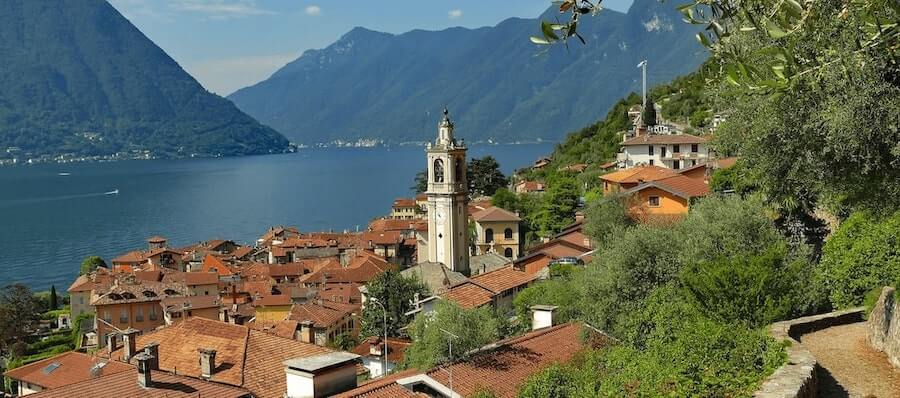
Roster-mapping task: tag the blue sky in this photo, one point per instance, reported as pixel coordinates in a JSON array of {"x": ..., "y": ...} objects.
[{"x": 230, "y": 44}]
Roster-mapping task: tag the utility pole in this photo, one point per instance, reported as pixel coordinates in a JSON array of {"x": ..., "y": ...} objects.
[
  {"x": 643, "y": 66},
  {"x": 450, "y": 341}
]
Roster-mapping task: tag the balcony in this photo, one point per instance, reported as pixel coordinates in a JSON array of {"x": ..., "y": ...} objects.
[{"x": 684, "y": 156}]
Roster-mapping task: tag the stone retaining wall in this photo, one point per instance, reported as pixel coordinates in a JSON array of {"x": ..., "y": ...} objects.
[
  {"x": 883, "y": 329},
  {"x": 797, "y": 378}
]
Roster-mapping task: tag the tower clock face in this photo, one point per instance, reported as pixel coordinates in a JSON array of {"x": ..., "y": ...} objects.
[{"x": 439, "y": 215}]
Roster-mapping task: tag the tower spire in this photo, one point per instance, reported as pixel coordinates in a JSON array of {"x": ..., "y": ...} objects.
[{"x": 445, "y": 130}]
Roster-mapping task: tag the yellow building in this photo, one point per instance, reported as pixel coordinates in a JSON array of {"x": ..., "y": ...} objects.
[
  {"x": 497, "y": 231},
  {"x": 276, "y": 307}
]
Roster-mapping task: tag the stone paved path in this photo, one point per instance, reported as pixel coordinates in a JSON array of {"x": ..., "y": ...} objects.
[{"x": 850, "y": 367}]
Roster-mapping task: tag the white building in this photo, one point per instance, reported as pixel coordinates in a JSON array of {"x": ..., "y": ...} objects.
[{"x": 672, "y": 151}]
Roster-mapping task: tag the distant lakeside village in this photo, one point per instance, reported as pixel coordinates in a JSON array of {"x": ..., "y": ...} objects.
[{"x": 284, "y": 316}]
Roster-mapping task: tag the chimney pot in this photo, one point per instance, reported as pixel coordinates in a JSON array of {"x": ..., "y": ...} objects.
[
  {"x": 111, "y": 342},
  {"x": 130, "y": 343},
  {"x": 152, "y": 349},
  {"x": 144, "y": 370},
  {"x": 207, "y": 362},
  {"x": 542, "y": 316}
]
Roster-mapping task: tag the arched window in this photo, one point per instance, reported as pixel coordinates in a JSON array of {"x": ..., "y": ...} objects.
[
  {"x": 508, "y": 253},
  {"x": 438, "y": 170},
  {"x": 507, "y": 234},
  {"x": 489, "y": 235}
]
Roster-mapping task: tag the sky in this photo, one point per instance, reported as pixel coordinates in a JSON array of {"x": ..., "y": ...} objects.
[{"x": 230, "y": 44}]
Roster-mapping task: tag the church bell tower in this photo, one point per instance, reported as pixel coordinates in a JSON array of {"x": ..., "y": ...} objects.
[{"x": 448, "y": 223}]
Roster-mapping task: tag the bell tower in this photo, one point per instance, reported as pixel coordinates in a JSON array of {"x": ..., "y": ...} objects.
[{"x": 448, "y": 223}]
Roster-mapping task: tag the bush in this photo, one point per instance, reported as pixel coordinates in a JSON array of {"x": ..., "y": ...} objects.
[
  {"x": 863, "y": 254},
  {"x": 473, "y": 328}
]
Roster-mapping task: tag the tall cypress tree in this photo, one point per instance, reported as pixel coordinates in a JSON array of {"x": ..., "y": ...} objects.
[
  {"x": 648, "y": 114},
  {"x": 53, "y": 299}
]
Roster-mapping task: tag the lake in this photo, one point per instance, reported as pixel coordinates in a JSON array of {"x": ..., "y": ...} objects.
[{"x": 50, "y": 222}]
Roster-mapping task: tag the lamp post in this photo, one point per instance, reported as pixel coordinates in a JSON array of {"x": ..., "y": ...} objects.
[{"x": 385, "y": 349}]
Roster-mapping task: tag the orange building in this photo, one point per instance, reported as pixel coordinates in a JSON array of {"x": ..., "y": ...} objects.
[{"x": 666, "y": 198}]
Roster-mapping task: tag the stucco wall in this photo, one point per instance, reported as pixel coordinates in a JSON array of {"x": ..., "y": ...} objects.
[{"x": 883, "y": 328}]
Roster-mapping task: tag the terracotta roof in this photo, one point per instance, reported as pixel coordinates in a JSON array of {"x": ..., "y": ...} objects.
[
  {"x": 125, "y": 384},
  {"x": 192, "y": 278},
  {"x": 136, "y": 256},
  {"x": 495, "y": 214},
  {"x": 273, "y": 300},
  {"x": 422, "y": 197},
  {"x": 404, "y": 202},
  {"x": 362, "y": 269},
  {"x": 470, "y": 295},
  {"x": 136, "y": 292},
  {"x": 214, "y": 264},
  {"x": 638, "y": 174},
  {"x": 503, "y": 279},
  {"x": 263, "y": 288},
  {"x": 390, "y": 224},
  {"x": 156, "y": 239},
  {"x": 608, "y": 164},
  {"x": 396, "y": 348},
  {"x": 64, "y": 369},
  {"x": 680, "y": 185},
  {"x": 156, "y": 252},
  {"x": 85, "y": 283},
  {"x": 724, "y": 163},
  {"x": 383, "y": 238},
  {"x": 244, "y": 357},
  {"x": 322, "y": 315},
  {"x": 665, "y": 139},
  {"x": 531, "y": 186},
  {"x": 242, "y": 252},
  {"x": 347, "y": 293},
  {"x": 500, "y": 368},
  {"x": 284, "y": 329}
]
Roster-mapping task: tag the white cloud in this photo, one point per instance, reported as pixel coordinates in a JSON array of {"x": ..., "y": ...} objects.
[
  {"x": 220, "y": 9},
  {"x": 455, "y": 14},
  {"x": 314, "y": 10},
  {"x": 225, "y": 75}
]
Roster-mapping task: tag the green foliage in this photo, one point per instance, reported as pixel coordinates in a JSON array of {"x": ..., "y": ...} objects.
[
  {"x": 607, "y": 219},
  {"x": 732, "y": 179},
  {"x": 564, "y": 293},
  {"x": 555, "y": 381},
  {"x": 557, "y": 208},
  {"x": 91, "y": 263},
  {"x": 421, "y": 182},
  {"x": 484, "y": 176},
  {"x": 54, "y": 301},
  {"x": 756, "y": 290},
  {"x": 396, "y": 293},
  {"x": 505, "y": 199},
  {"x": 108, "y": 88},
  {"x": 473, "y": 328},
  {"x": 863, "y": 254},
  {"x": 648, "y": 114},
  {"x": 344, "y": 342},
  {"x": 18, "y": 310},
  {"x": 599, "y": 142},
  {"x": 484, "y": 393}
]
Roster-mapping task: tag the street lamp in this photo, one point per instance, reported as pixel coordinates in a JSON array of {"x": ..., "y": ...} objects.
[{"x": 385, "y": 349}]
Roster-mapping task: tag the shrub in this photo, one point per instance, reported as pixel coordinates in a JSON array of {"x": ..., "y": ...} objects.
[{"x": 863, "y": 254}]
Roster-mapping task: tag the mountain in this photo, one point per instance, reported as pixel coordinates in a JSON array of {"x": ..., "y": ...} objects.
[
  {"x": 77, "y": 77},
  {"x": 496, "y": 83}
]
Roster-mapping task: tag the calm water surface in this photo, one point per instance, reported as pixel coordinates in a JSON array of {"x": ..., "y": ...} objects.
[{"x": 49, "y": 222}]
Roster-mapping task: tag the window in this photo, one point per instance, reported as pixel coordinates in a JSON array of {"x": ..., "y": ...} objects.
[
  {"x": 651, "y": 162},
  {"x": 489, "y": 235},
  {"x": 81, "y": 300},
  {"x": 152, "y": 313},
  {"x": 508, "y": 253},
  {"x": 106, "y": 316},
  {"x": 695, "y": 148},
  {"x": 139, "y": 315},
  {"x": 508, "y": 233},
  {"x": 123, "y": 315},
  {"x": 662, "y": 151},
  {"x": 676, "y": 148},
  {"x": 654, "y": 201},
  {"x": 438, "y": 170},
  {"x": 650, "y": 150},
  {"x": 676, "y": 164},
  {"x": 694, "y": 162}
]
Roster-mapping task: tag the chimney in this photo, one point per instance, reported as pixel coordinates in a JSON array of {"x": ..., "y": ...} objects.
[
  {"x": 376, "y": 346},
  {"x": 111, "y": 342},
  {"x": 207, "y": 362},
  {"x": 130, "y": 343},
  {"x": 144, "y": 370},
  {"x": 321, "y": 375},
  {"x": 579, "y": 216},
  {"x": 542, "y": 316},
  {"x": 307, "y": 334},
  {"x": 152, "y": 349}
]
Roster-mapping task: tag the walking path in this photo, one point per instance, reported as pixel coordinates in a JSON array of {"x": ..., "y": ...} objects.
[{"x": 849, "y": 367}]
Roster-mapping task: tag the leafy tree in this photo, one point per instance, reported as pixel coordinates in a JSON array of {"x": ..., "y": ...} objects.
[
  {"x": 344, "y": 342},
  {"x": 559, "y": 292},
  {"x": 648, "y": 114},
  {"x": 53, "y": 299},
  {"x": 92, "y": 263},
  {"x": 18, "y": 310},
  {"x": 505, "y": 199},
  {"x": 863, "y": 254},
  {"x": 421, "y": 182},
  {"x": 473, "y": 329},
  {"x": 555, "y": 381},
  {"x": 484, "y": 176},
  {"x": 606, "y": 219},
  {"x": 558, "y": 207},
  {"x": 396, "y": 293},
  {"x": 732, "y": 179}
]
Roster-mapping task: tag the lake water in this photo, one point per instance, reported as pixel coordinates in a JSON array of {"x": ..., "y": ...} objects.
[{"x": 50, "y": 222}]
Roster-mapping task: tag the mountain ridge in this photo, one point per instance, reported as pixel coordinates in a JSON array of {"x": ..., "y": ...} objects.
[
  {"x": 80, "y": 78},
  {"x": 391, "y": 87}
]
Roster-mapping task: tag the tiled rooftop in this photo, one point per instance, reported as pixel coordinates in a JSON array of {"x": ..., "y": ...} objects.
[{"x": 64, "y": 369}]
